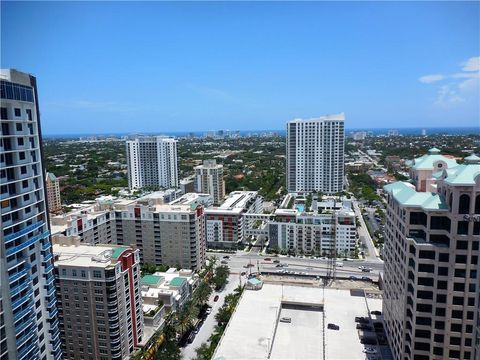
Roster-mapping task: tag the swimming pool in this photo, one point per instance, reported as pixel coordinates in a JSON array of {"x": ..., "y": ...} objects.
[{"x": 300, "y": 207}]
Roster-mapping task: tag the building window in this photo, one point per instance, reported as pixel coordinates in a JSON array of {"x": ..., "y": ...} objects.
[
  {"x": 18, "y": 112},
  {"x": 464, "y": 204}
]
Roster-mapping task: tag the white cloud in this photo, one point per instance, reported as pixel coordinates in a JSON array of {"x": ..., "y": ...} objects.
[
  {"x": 472, "y": 64},
  {"x": 461, "y": 84},
  {"x": 469, "y": 84},
  {"x": 427, "y": 79},
  {"x": 448, "y": 97}
]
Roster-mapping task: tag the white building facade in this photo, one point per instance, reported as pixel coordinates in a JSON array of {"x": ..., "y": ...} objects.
[
  {"x": 28, "y": 309},
  {"x": 320, "y": 234},
  {"x": 209, "y": 179},
  {"x": 152, "y": 162},
  {"x": 315, "y": 154}
]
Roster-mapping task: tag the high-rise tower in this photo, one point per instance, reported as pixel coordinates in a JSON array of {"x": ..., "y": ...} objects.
[
  {"x": 432, "y": 274},
  {"x": 315, "y": 154},
  {"x": 28, "y": 311},
  {"x": 152, "y": 162},
  {"x": 209, "y": 180}
]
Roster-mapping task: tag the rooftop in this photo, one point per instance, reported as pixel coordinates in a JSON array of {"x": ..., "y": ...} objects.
[
  {"x": 333, "y": 117},
  {"x": 99, "y": 256},
  {"x": 177, "y": 281},
  {"x": 427, "y": 161},
  {"x": 406, "y": 194},
  {"x": 151, "y": 280},
  {"x": 255, "y": 330},
  {"x": 463, "y": 175}
]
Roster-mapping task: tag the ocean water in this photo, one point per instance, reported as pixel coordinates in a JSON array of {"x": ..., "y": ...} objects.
[{"x": 375, "y": 131}]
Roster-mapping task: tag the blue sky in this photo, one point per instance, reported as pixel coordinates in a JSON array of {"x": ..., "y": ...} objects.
[{"x": 108, "y": 67}]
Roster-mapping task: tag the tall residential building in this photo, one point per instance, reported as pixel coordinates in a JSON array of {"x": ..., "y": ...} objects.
[
  {"x": 169, "y": 234},
  {"x": 315, "y": 154},
  {"x": 165, "y": 234},
  {"x": 99, "y": 299},
  {"x": 152, "y": 162},
  {"x": 432, "y": 274},
  {"x": 53, "y": 193},
  {"x": 209, "y": 180},
  {"x": 28, "y": 310}
]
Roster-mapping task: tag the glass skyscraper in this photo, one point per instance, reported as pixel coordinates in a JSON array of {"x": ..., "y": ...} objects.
[{"x": 28, "y": 310}]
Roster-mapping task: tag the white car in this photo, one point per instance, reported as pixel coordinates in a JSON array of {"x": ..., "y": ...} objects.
[{"x": 369, "y": 350}]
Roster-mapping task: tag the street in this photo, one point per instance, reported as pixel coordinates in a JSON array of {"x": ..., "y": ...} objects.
[
  {"x": 208, "y": 326},
  {"x": 239, "y": 260},
  {"x": 372, "y": 253}
]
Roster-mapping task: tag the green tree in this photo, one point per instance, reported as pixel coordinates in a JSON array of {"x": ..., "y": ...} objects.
[
  {"x": 169, "y": 348},
  {"x": 220, "y": 278},
  {"x": 202, "y": 293},
  {"x": 185, "y": 318}
]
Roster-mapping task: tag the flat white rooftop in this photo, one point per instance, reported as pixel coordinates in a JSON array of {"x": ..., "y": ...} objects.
[
  {"x": 237, "y": 199},
  {"x": 254, "y": 330},
  {"x": 99, "y": 256}
]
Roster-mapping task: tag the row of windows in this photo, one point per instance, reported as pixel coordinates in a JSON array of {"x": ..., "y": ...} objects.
[{"x": 9, "y": 90}]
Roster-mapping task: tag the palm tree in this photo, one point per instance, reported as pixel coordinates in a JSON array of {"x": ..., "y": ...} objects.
[
  {"x": 185, "y": 318},
  {"x": 202, "y": 293}
]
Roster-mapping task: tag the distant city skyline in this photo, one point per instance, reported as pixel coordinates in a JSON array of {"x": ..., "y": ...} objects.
[{"x": 156, "y": 67}]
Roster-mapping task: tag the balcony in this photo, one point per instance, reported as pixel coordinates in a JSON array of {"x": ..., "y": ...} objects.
[
  {"x": 17, "y": 289},
  {"x": 22, "y": 232},
  {"x": 26, "y": 244},
  {"x": 23, "y": 299},
  {"x": 21, "y": 314},
  {"x": 49, "y": 268},
  {"x": 53, "y": 313},
  {"x": 23, "y": 339},
  {"x": 47, "y": 257},
  {"x": 22, "y": 354},
  {"x": 24, "y": 325}
]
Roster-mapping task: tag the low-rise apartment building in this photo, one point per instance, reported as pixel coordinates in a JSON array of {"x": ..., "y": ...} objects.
[
  {"x": 225, "y": 224},
  {"x": 332, "y": 233}
]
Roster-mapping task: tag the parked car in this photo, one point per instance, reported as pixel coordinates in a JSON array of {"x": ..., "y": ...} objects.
[
  {"x": 276, "y": 261},
  {"x": 366, "y": 278},
  {"x": 369, "y": 350},
  {"x": 366, "y": 269},
  {"x": 376, "y": 312},
  {"x": 353, "y": 277},
  {"x": 224, "y": 262},
  {"x": 368, "y": 341},
  {"x": 339, "y": 264},
  {"x": 208, "y": 311},
  {"x": 286, "y": 320},
  {"x": 243, "y": 273},
  {"x": 226, "y": 257},
  {"x": 267, "y": 259},
  {"x": 364, "y": 327},
  {"x": 333, "y": 326},
  {"x": 216, "y": 298},
  {"x": 361, "y": 319}
]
